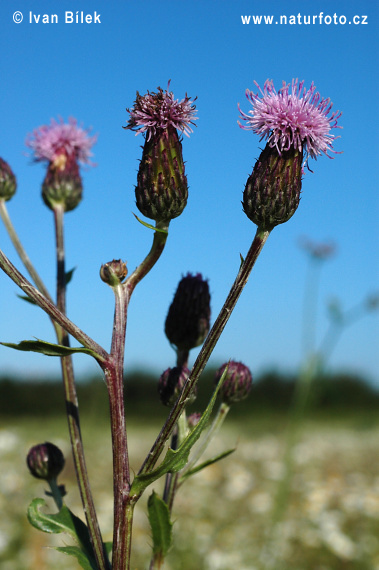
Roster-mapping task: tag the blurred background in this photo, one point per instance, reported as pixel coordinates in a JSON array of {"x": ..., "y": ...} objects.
[{"x": 295, "y": 301}]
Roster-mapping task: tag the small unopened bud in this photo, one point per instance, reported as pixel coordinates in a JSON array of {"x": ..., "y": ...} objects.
[
  {"x": 113, "y": 272},
  {"x": 8, "y": 182},
  {"x": 62, "y": 185},
  {"x": 188, "y": 318},
  {"x": 237, "y": 383},
  {"x": 45, "y": 461},
  {"x": 171, "y": 384},
  {"x": 272, "y": 192}
]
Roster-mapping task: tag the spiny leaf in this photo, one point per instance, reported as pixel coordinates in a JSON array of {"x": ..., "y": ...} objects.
[
  {"x": 161, "y": 525},
  {"x": 175, "y": 460},
  {"x": 48, "y": 348}
]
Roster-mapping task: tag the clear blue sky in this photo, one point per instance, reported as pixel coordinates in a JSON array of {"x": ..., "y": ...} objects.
[{"x": 92, "y": 72}]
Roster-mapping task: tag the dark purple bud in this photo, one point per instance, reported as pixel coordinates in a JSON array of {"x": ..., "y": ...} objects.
[
  {"x": 45, "y": 461},
  {"x": 188, "y": 318},
  {"x": 193, "y": 420},
  {"x": 237, "y": 383},
  {"x": 171, "y": 384},
  {"x": 8, "y": 182}
]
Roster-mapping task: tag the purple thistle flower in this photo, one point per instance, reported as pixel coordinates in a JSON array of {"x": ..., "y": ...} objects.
[
  {"x": 296, "y": 118},
  {"x": 154, "y": 112},
  {"x": 50, "y": 142}
]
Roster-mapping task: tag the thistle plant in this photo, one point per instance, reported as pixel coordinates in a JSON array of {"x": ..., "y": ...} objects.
[{"x": 297, "y": 125}]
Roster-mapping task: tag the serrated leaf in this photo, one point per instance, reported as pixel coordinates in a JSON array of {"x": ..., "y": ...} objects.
[
  {"x": 68, "y": 275},
  {"x": 78, "y": 554},
  {"x": 48, "y": 348},
  {"x": 175, "y": 460},
  {"x": 63, "y": 521},
  {"x": 160, "y": 524},
  {"x": 150, "y": 226},
  {"x": 206, "y": 463},
  {"x": 27, "y": 298}
]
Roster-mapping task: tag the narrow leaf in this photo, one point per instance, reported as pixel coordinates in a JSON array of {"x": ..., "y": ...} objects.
[
  {"x": 48, "y": 348},
  {"x": 206, "y": 463},
  {"x": 150, "y": 226},
  {"x": 175, "y": 460},
  {"x": 27, "y": 298},
  {"x": 78, "y": 554},
  {"x": 68, "y": 275},
  {"x": 161, "y": 525}
]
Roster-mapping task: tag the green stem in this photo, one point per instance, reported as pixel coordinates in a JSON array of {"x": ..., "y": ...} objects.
[
  {"x": 56, "y": 493},
  {"x": 208, "y": 346},
  {"x": 72, "y": 408}
]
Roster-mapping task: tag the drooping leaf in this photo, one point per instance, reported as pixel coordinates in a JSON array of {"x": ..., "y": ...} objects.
[
  {"x": 160, "y": 523},
  {"x": 68, "y": 275},
  {"x": 206, "y": 463},
  {"x": 48, "y": 348},
  {"x": 78, "y": 554},
  {"x": 63, "y": 521},
  {"x": 175, "y": 460}
]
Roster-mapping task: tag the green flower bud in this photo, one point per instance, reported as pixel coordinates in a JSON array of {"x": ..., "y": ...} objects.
[
  {"x": 113, "y": 272},
  {"x": 8, "y": 182},
  {"x": 45, "y": 461},
  {"x": 62, "y": 184},
  {"x": 272, "y": 192}
]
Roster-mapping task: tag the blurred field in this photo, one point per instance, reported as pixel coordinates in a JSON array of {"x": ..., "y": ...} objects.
[{"x": 223, "y": 514}]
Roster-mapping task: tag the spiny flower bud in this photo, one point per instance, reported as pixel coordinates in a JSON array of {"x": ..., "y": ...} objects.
[
  {"x": 272, "y": 192},
  {"x": 188, "y": 318},
  {"x": 294, "y": 122},
  {"x": 63, "y": 146},
  {"x": 162, "y": 189},
  {"x": 237, "y": 383},
  {"x": 45, "y": 461},
  {"x": 8, "y": 182},
  {"x": 113, "y": 272},
  {"x": 171, "y": 384}
]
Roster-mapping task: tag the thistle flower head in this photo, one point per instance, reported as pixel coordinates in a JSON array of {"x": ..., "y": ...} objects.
[
  {"x": 292, "y": 118},
  {"x": 154, "y": 112},
  {"x": 237, "y": 382},
  {"x": 8, "y": 183},
  {"x": 45, "y": 461},
  {"x": 60, "y": 140},
  {"x": 171, "y": 384}
]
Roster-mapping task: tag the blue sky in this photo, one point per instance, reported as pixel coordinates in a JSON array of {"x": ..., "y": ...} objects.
[{"x": 92, "y": 72}]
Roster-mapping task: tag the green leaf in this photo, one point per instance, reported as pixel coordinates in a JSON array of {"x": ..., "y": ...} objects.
[
  {"x": 175, "y": 460},
  {"x": 68, "y": 275},
  {"x": 63, "y": 521},
  {"x": 161, "y": 525},
  {"x": 206, "y": 463},
  {"x": 48, "y": 348},
  {"x": 79, "y": 555},
  {"x": 150, "y": 226},
  {"x": 27, "y": 298}
]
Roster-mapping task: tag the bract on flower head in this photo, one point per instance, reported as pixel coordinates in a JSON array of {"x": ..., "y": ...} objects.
[
  {"x": 154, "y": 112},
  {"x": 58, "y": 140},
  {"x": 292, "y": 118}
]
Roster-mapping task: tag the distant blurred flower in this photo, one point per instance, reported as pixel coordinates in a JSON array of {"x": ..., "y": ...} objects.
[
  {"x": 8, "y": 182},
  {"x": 51, "y": 142},
  {"x": 320, "y": 250},
  {"x": 295, "y": 119},
  {"x": 159, "y": 111},
  {"x": 171, "y": 383},
  {"x": 237, "y": 383},
  {"x": 63, "y": 146}
]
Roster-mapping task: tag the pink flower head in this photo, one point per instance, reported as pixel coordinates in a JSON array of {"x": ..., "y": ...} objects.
[
  {"x": 157, "y": 111},
  {"x": 292, "y": 118},
  {"x": 59, "y": 139}
]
